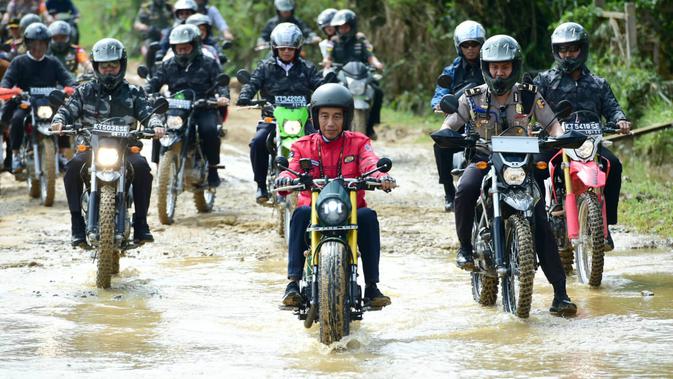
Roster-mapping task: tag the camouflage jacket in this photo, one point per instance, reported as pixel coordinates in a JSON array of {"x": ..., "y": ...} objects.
[{"x": 199, "y": 76}]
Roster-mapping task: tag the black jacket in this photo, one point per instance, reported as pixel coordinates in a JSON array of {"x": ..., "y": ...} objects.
[
  {"x": 271, "y": 80},
  {"x": 590, "y": 93},
  {"x": 274, "y": 21},
  {"x": 25, "y": 73},
  {"x": 199, "y": 76}
]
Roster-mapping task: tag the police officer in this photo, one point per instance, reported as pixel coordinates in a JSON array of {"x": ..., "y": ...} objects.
[
  {"x": 349, "y": 45},
  {"x": 571, "y": 80},
  {"x": 464, "y": 72},
  {"x": 338, "y": 153},
  {"x": 153, "y": 18},
  {"x": 33, "y": 69},
  {"x": 189, "y": 69},
  {"x": 109, "y": 95},
  {"x": 285, "y": 13},
  {"x": 283, "y": 74},
  {"x": 71, "y": 56},
  {"x": 493, "y": 107}
]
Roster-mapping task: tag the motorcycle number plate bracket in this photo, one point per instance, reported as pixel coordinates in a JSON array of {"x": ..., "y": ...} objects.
[
  {"x": 330, "y": 228},
  {"x": 510, "y": 144}
]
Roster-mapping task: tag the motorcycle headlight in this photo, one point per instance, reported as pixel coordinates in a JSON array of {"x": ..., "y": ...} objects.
[
  {"x": 356, "y": 86},
  {"x": 107, "y": 157},
  {"x": 514, "y": 176},
  {"x": 174, "y": 122},
  {"x": 44, "y": 112},
  {"x": 292, "y": 127},
  {"x": 586, "y": 151},
  {"x": 333, "y": 212}
]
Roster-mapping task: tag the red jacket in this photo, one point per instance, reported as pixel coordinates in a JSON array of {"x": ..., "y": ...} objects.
[{"x": 357, "y": 158}]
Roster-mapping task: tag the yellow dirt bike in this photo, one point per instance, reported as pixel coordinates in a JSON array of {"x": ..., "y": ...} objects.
[{"x": 329, "y": 290}]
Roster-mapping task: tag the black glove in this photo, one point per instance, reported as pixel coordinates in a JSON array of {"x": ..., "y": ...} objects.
[
  {"x": 282, "y": 182},
  {"x": 242, "y": 101}
]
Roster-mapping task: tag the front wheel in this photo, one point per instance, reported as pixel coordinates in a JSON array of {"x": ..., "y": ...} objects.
[
  {"x": 48, "y": 177},
  {"x": 106, "y": 248},
  {"x": 360, "y": 117},
  {"x": 517, "y": 285},
  {"x": 168, "y": 191},
  {"x": 590, "y": 250},
  {"x": 334, "y": 310}
]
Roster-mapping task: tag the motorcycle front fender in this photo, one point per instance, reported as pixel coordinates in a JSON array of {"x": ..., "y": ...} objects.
[
  {"x": 108, "y": 176},
  {"x": 588, "y": 173},
  {"x": 361, "y": 102},
  {"x": 169, "y": 140},
  {"x": 518, "y": 199}
]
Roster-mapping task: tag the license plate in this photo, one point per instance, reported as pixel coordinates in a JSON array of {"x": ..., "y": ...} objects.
[
  {"x": 179, "y": 104},
  {"x": 290, "y": 101},
  {"x": 113, "y": 130},
  {"x": 41, "y": 91},
  {"x": 507, "y": 144},
  {"x": 588, "y": 128}
]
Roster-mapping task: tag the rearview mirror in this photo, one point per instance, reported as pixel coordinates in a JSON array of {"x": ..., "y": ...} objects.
[
  {"x": 448, "y": 138},
  {"x": 565, "y": 108},
  {"x": 223, "y": 79},
  {"x": 56, "y": 98},
  {"x": 243, "y": 76},
  {"x": 226, "y": 45},
  {"x": 384, "y": 164},
  {"x": 449, "y": 104},
  {"x": 444, "y": 81},
  {"x": 330, "y": 77},
  {"x": 305, "y": 164},
  {"x": 143, "y": 71},
  {"x": 160, "y": 106},
  {"x": 282, "y": 163}
]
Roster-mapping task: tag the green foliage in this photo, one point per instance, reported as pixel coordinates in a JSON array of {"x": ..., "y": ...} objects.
[{"x": 100, "y": 19}]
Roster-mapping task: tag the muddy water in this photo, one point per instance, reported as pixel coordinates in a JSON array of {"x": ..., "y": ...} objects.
[{"x": 203, "y": 299}]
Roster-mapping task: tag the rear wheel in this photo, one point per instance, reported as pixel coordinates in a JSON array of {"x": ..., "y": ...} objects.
[
  {"x": 168, "y": 181},
  {"x": 106, "y": 248},
  {"x": 360, "y": 117},
  {"x": 517, "y": 285},
  {"x": 334, "y": 310},
  {"x": 48, "y": 177},
  {"x": 589, "y": 252}
]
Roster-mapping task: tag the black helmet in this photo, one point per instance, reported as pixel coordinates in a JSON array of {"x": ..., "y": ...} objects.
[
  {"x": 29, "y": 18},
  {"x": 185, "y": 34},
  {"x": 500, "y": 48},
  {"x": 200, "y": 19},
  {"x": 286, "y": 34},
  {"x": 182, "y": 5},
  {"x": 284, "y": 5},
  {"x": 468, "y": 31},
  {"x": 109, "y": 50},
  {"x": 570, "y": 33},
  {"x": 60, "y": 28},
  {"x": 36, "y": 32},
  {"x": 332, "y": 95},
  {"x": 325, "y": 17},
  {"x": 345, "y": 16}
]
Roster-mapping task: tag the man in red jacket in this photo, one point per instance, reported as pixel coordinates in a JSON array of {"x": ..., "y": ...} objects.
[{"x": 335, "y": 152}]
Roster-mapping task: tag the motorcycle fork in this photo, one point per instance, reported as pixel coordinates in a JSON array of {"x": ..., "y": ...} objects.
[
  {"x": 353, "y": 246},
  {"x": 94, "y": 199},
  {"x": 120, "y": 198},
  {"x": 570, "y": 202},
  {"x": 498, "y": 227},
  {"x": 315, "y": 236}
]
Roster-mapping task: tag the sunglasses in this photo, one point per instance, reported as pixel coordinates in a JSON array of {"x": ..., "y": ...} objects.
[
  {"x": 568, "y": 49},
  {"x": 284, "y": 49},
  {"x": 470, "y": 44},
  {"x": 113, "y": 64}
]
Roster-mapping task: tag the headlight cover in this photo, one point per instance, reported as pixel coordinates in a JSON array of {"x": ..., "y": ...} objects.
[
  {"x": 333, "y": 212},
  {"x": 356, "y": 86},
  {"x": 292, "y": 127},
  {"x": 107, "y": 157},
  {"x": 44, "y": 112},
  {"x": 586, "y": 151},
  {"x": 514, "y": 176},
  {"x": 174, "y": 122}
]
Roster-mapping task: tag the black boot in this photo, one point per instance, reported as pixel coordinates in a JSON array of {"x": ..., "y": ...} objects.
[
  {"x": 609, "y": 244},
  {"x": 563, "y": 307},
  {"x": 262, "y": 195},
  {"x": 464, "y": 259},
  {"x": 78, "y": 230},
  {"x": 292, "y": 297},
  {"x": 213, "y": 178},
  {"x": 374, "y": 297},
  {"x": 448, "y": 204},
  {"x": 141, "y": 231}
]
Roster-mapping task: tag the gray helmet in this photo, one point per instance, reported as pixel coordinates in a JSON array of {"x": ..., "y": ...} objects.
[
  {"x": 284, "y": 5},
  {"x": 60, "y": 28},
  {"x": 182, "y": 5},
  {"x": 185, "y": 34},
  {"x": 200, "y": 19},
  {"x": 570, "y": 33},
  {"x": 36, "y": 32},
  {"x": 500, "y": 48},
  {"x": 325, "y": 17},
  {"x": 109, "y": 50},
  {"x": 468, "y": 31},
  {"x": 343, "y": 17},
  {"x": 286, "y": 34},
  {"x": 29, "y": 18},
  {"x": 332, "y": 95}
]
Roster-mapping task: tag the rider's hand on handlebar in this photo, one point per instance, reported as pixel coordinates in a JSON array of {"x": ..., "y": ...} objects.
[
  {"x": 282, "y": 182},
  {"x": 56, "y": 128},
  {"x": 222, "y": 101},
  {"x": 624, "y": 126},
  {"x": 387, "y": 183},
  {"x": 159, "y": 132},
  {"x": 243, "y": 101}
]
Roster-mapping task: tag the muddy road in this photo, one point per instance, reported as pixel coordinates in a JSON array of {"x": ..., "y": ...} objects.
[{"x": 203, "y": 299}]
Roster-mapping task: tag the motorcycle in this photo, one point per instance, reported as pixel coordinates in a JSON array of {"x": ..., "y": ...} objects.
[
  {"x": 358, "y": 78},
  {"x": 290, "y": 116},
  {"x": 38, "y": 151},
  {"x": 575, "y": 204},
  {"x": 502, "y": 233},
  {"x": 107, "y": 196},
  {"x": 331, "y": 295},
  {"x": 183, "y": 164}
]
